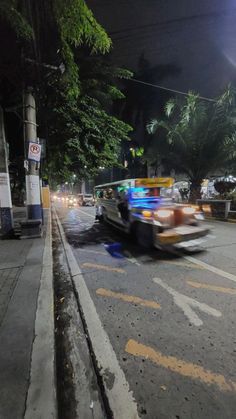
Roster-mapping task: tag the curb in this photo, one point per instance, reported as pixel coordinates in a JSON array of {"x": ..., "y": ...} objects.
[
  {"x": 116, "y": 391},
  {"x": 229, "y": 220},
  {"x": 41, "y": 400}
]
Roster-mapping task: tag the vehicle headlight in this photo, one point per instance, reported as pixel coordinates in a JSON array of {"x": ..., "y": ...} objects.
[
  {"x": 74, "y": 200},
  {"x": 67, "y": 199},
  {"x": 188, "y": 210},
  {"x": 70, "y": 201},
  {"x": 63, "y": 199},
  {"x": 163, "y": 213}
]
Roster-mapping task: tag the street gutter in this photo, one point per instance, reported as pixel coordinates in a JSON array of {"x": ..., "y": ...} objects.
[{"x": 117, "y": 397}]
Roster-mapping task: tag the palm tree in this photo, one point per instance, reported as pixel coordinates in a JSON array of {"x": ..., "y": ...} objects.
[{"x": 200, "y": 136}]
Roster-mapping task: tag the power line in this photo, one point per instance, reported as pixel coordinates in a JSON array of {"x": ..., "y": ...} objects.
[
  {"x": 169, "y": 90},
  {"x": 175, "y": 20}
]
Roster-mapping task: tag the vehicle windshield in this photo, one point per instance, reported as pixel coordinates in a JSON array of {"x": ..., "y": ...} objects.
[{"x": 150, "y": 193}]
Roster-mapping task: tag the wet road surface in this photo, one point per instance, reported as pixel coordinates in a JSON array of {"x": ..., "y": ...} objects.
[{"x": 170, "y": 320}]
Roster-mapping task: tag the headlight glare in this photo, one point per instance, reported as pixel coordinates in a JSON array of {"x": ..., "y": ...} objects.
[
  {"x": 188, "y": 211},
  {"x": 163, "y": 213}
]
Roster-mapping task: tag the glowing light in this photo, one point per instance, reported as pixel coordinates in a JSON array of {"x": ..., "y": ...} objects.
[
  {"x": 147, "y": 214},
  {"x": 188, "y": 210},
  {"x": 163, "y": 213}
]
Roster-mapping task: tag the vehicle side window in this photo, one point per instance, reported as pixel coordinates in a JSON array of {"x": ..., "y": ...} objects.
[
  {"x": 109, "y": 193},
  {"x": 122, "y": 194},
  {"x": 116, "y": 193},
  {"x": 99, "y": 194}
]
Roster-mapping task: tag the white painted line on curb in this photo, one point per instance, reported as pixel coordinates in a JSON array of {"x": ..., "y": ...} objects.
[
  {"x": 119, "y": 396},
  {"x": 41, "y": 398},
  {"x": 211, "y": 268},
  {"x": 186, "y": 303}
]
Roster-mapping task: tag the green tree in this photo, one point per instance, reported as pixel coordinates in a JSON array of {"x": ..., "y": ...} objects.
[
  {"x": 57, "y": 50},
  {"x": 200, "y": 137},
  {"x": 48, "y": 32},
  {"x": 83, "y": 130}
]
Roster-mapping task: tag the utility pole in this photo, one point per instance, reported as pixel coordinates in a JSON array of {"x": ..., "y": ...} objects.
[
  {"x": 34, "y": 209},
  {"x": 6, "y": 219}
]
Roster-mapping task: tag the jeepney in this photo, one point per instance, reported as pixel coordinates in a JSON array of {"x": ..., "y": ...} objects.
[{"x": 145, "y": 208}]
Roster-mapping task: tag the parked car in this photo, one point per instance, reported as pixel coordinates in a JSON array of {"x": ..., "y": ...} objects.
[{"x": 88, "y": 200}]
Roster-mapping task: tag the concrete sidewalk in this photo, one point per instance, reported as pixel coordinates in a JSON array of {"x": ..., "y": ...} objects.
[{"x": 27, "y": 375}]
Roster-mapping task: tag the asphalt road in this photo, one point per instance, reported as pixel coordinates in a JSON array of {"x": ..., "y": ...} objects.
[{"x": 170, "y": 320}]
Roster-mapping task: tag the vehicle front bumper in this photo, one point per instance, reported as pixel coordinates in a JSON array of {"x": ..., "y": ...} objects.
[{"x": 180, "y": 234}]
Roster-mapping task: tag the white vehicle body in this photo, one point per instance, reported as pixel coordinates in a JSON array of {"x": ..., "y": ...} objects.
[
  {"x": 139, "y": 206},
  {"x": 86, "y": 199}
]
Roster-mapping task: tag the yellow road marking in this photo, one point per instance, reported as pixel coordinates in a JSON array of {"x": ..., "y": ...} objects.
[
  {"x": 187, "y": 369},
  {"x": 195, "y": 284},
  {"x": 184, "y": 264},
  {"x": 103, "y": 267},
  {"x": 128, "y": 298}
]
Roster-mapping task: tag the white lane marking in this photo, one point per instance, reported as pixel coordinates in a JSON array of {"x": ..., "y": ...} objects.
[
  {"x": 89, "y": 215},
  {"x": 117, "y": 389},
  {"x": 130, "y": 258},
  {"x": 185, "y": 303},
  {"x": 211, "y": 268}
]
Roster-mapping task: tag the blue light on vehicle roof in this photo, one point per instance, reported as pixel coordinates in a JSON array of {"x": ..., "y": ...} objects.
[
  {"x": 139, "y": 189},
  {"x": 146, "y": 202}
]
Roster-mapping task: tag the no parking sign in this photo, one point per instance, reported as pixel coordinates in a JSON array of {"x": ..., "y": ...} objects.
[{"x": 34, "y": 151}]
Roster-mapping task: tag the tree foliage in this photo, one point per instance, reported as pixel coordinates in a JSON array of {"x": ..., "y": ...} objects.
[
  {"x": 93, "y": 136},
  {"x": 10, "y": 11},
  {"x": 74, "y": 105},
  {"x": 199, "y": 137},
  {"x": 65, "y": 25}
]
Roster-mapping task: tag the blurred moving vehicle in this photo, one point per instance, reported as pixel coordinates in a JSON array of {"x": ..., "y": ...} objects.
[
  {"x": 86, "y": 199},
  {"x": 71, "y": 201},
  {"x": 140, "y": 207},
  {"x": 54, "y": 197}
]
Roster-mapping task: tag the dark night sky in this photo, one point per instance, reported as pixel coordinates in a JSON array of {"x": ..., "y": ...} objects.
[{"x": 197, "y": 35}]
